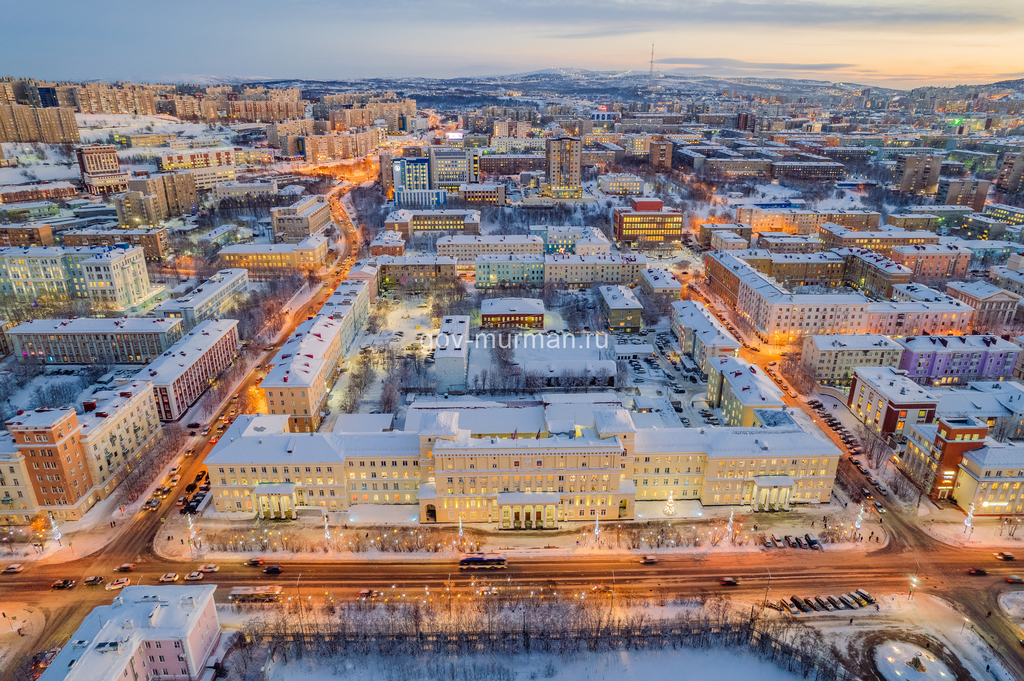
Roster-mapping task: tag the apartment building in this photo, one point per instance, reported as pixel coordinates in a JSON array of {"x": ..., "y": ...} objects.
[
  {"x": 266, "y": 261},
  {"x": 128, "y": 340},
  {"x": 797, "y": 269},
  {"x": 49, "y": 191},
  {"x": 409, "y": 222},
  {"x": 933, "y": 261},
  {"x": 35, "y": 234},
  {"x": 390, "y": 243},
  {"x": 780, "y": 242},
  {"x": 172, "y": 194},
  {"x": 483, "y": 193},
  {"x": 209, "y": 178},
  {"x": 302, "y": 373},
  {"x": 148, "y": 631},
  {"x": 243, "y": 191},
  {"x": 466, "y": 247},
  {"x": 509, "y": 270},
  {"x": 451, "y": 354},
  {"x": 350, "y": 306},
  {"x": 46, "y": 270},
  {"x": 564, "y": 179},
  {"x": 260, "y": 112},
  {"x": 984, "y": 479},
  {"x": 740, "y": 390},
  {"x": 913, "y": 221},
  {"x": 708, "y": 230},
  {"x": 101, "y": 169},
  {"x": 918, "y": 173},
  {"x": 416, "y": 272},
  {"x": 887, "y": 400},
  {"x": 189, "y": 159},
  {"x": 957, "y": 360},
  {"x": 54, "y": 125},
  {"x": 660, "y": 282},
  {"x": 956, "y": 191},
  {"x": 804, "y": 222},
  {"x": 701, "y": 336},
  {"x": 117, "y": 279},
  {"x": 216, "y": 296},
  {"x": 621, "y": 184},
  {"x": 983, "y": 227},
  {"x": 871, "y": 272},
  {"x": 1011, "y": 173},
  {"x": 512, "y": 313},
  {"x": 153, "y": 242},
  {"x": 647, "y": 223},
  {"x": 621, "y": 309},
  {"x": 660, "y": 155},
  {"x": 306, "y": 217},
  {"x": 819, "y": 171},
  {"x": 836, "y": 236},
  {"x": 575, "y": 239},
  {"x": 1007, "y": 279},
  {"x": 1011, "y": 215},
  {"x": 831, "y": 360},
  {"x": 512, "y": 128},
  {"x": 579, "y": 271},
  {"x": 182, "y": 373},
  {"x": 994, "y": 307},
  {"x": 935, "y": 450}
]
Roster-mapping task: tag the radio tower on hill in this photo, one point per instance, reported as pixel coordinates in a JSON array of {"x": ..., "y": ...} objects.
[{"x": 650, "y": 76}]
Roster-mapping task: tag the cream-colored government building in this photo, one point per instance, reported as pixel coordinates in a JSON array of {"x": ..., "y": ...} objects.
[{"x": 554, "y": 461}]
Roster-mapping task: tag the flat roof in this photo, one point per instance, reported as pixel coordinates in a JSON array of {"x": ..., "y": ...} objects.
[
  {"x": 620, "y": 298},
  {"x": 205, "y": 291},
  {"x": 512, "y": 306},
  {"x": 95, "y": 325},
  {"x": 854, "y": 342},
  {"x": 979, "y": 289},
  {"x": 894, "y": 384},
  {"x": 109, "y": 401},
  {"x": 941, "y": 344},
  {"x": 300, "y": 359},
  {"x": 463, "y": 239},
  {"x": 166, "y": 368},
  {"x": 749, "y": 384}
]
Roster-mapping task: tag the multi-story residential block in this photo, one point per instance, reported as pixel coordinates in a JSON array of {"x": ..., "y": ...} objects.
[
  {"x": 707, "y": 230},
  {"x": 153, "y": 242},
  {"x": 913, "y": 221},
  {"x": 36, "y": 234},
  {"x": 647, "y": 223},
  {"x": 512, "y": 128},
  {"x": 37, "y": 192},
  {"x": 306, "y": 217},
  {"x": 523, "y": 269},
  {"x": 46, "y": 270},
  {"x": 622, "y": 184},
  {"x": 243, "y": 191},
  {"x": 797, "y": 269},
  {"x": 172, "y": 194},
  {"x": 1011, "y": 215},
  {"x": 740, "y": 390},
  {"x": 872, "y": 272},
  {"x": 935, "y": 450},
  {"x": 350, "y": 306},
  {"x": 451, "y": 354},
  {"x": 660, "y": 156},
  {"x": 700, "y": 335},
  {"x": 117, "y": 279},
  {"x": 101, "y": 169},
  {"x": 564, "y": 179},
  {"x": 933, "y": 261},
  {"x": 303, "y": 372},
  {"x": 831, "y": 360},
  {"x": 994, "y": 307},
  {"x": 259, "y": 112},
  {"x": 724, "y": 240},
  {"x": 189, "y": 159},
  {"x": 956, "y": 191},
  {"x": 178, "y": 621},
  {"x": 509, "y": 164},
  {"x": 822, "y": 171},
  {"x": 780, "y": 242},
  {"x": 209, "y": 178},
  {"x": 983, "y": 227},
  {"x": 918, "y": 173},
  {"x": 20, "y": 123},
  {"x": 266, "y": 261},
  {"x": 1011, "y": 173},
  {"x": 957, "y": 360},
  {"x": 409, "y": 222},
  {"x": 984, "y": 479},
  {"x": 1007, "y": 279},
  {"x": 465, "y": 247},
  {"x": 660, "y": 282},
  {"x": 512, "y": 313},
  {"x": 182, "y": 373},
  {"x": 803, "y": 221},
  {"x": 483, "y": 193},
  {"x": 574, "y": 239},
  {"x": 621, "y": 309},
  {"x": 32, "y": 210},
  {"x": 213, "y": 298},
  {"x": 127, "y": 340},
  {"x": 836, "y": 236},
  {"x": 578, "y": 271},
  {"x": 390, "y": 243},
  {"x": 887, "y": 400},
  {"x": 415, "y": 272}
]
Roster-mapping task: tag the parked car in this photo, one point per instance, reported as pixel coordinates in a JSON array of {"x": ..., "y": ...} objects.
[
  {"x": 801, "y": 542},
  {"x": 791, "y": 541},
  {"x": 824, "y": 604},
  {"x": 778, "y": 542},
  {"x": 849, "y": 602},
  {"x": 865, "y": 595},
  {"x": 857, "y": 598},
  {"x": 799, "y": 603}
]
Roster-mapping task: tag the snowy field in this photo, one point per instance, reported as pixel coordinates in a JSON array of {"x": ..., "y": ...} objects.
[{"x": 611, "y": 666}]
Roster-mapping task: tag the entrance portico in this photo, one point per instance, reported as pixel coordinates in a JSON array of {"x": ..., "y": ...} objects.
[
  {"x": 771, "y": 493},
  {"x": 275, "y": 500},
  {"x": 529, "y": 510}
]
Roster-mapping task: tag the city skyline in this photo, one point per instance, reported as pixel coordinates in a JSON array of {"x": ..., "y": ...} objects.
[{"x": 904, "y": 45}]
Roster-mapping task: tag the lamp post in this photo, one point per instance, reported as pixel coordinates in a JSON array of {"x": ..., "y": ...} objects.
[{"x": 768, "y": 587}]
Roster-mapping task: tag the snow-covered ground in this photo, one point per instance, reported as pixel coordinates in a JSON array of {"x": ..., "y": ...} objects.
[{"x": 892, "y": 658}]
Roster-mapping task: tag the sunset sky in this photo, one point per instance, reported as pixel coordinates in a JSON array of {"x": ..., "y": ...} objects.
[{"x": 900, "y": 44}]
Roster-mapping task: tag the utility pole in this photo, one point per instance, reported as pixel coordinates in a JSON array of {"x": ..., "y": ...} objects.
[{"x": 768, "y": 587}]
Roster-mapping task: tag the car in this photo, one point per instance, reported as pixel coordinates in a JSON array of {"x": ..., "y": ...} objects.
[
  {"x": 649, "y": 560},
  {"x": 799, "y": 603},
  {"x": 63, "y": 584},
  {"x": 182, "y": 501},
  {"x": 125, "y": 567},
  {"x": 824, "y": 604},
  {"x": 1003, "y": 555},
  {"x": 169, "y": 577},
  {"x": 729, "y": 581},
  {"x": 273, "y": 569},
  {"x": 879, "y": 507},
  {"x": 849, "y": 602},
  {"x": 13, "y": 568},
  {"x": 214, "y": 440},
  {"x": 813, "y": 605},
  {"x": 883, "y": 491},
  {"x": 801, "y": 542},
  {"x": 867, "y": 493},
  {"x": 1014, "y": 579},
  {"x": 254, "y": 562},
  {"x": 151, "y": 505},
  {"x": 858, "y": 599},
  {"x": 209, "y": 567},
  {"x": 92, "y": 581},
  {"x": 120, "y": 583},
  {"x": 791, "y": 541},
  {"x": 838, "y": 604},
  {"x": 194, "y": 425},
  {"x": 779, "y": 544},
  {"x": 199, "y": 476},
  {"x": 194, "y": 576}
]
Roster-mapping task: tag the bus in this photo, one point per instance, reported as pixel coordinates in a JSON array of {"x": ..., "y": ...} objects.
[
  {"x": 482, "y": 561},
  {"x": 255, "y": 594}
]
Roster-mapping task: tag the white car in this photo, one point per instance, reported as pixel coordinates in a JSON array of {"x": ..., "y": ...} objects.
[
  {"x": 13, "y": 567},
  {"x": 194, "y": 576},
  {"x": 170, "y": 577},
  {"x": 118, "y": 584},
  {"x": 209, "y": 568}
]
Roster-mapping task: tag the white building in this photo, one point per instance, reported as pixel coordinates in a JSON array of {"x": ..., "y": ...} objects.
[
  {"x": 700, "y": 335},
  {"x": 117, "y": 279},
  {"x": 621, "y": 183},
  {"x": 148, "y": 632},
  {"x": 208, "y": 178},
  {"x": 833, "y": 359},
  {"x": 215, "y": 296},
  {"x": 621, "y": 308},
  {"x": 244, "y": 190},
  {"x": 466, "y": 247},
  {"x": 451, "y": 354}
]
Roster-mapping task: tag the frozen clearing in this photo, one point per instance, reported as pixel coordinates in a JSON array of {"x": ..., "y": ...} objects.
[
  {"x": 891, "y": 660},
  {"x": 612, "y": 666}
]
